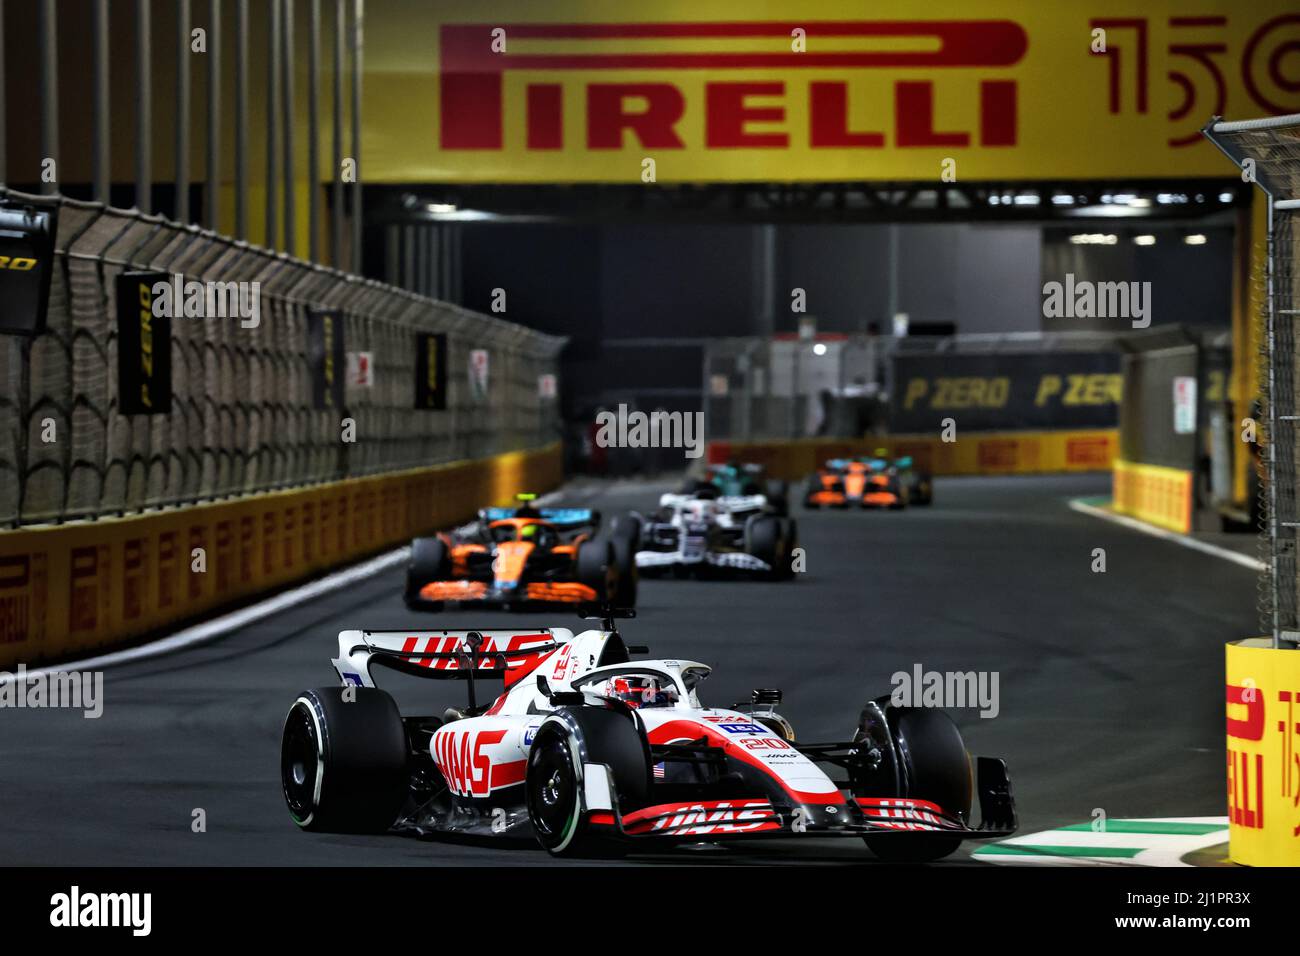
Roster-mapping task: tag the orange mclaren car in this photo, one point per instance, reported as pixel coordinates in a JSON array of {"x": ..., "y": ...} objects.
[
  {"x": 864, "y": 482},
  {"x": 525, "y": 556}
]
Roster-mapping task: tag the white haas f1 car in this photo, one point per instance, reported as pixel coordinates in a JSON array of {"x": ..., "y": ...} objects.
[
  {"x": 594, "y": 753},
  {"x": 706, "y": 532}
]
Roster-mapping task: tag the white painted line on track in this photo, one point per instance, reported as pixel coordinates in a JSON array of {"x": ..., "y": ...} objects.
[
  {"x": 1245, "y": 560},
  {"x": 210, "y": 630},
  {"x": 1145, "y": 842}
]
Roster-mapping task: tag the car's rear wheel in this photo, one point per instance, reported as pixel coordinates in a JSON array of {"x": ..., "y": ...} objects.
[
  {"x": 923, "y": 490},
  {"x": 934, "y": 766},
  {"x": 430, "y": 561},
  {"x": 598, "y": 568},
  {"x": 343, "y": 761},
  {"x": 625, "y": 536},
  {"x": 770, "y": 539}
]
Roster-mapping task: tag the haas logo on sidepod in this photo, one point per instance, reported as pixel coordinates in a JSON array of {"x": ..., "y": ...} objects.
[{"x": 460, "y": 757}]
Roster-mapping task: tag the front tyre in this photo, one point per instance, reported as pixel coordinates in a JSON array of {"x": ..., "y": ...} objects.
[
  {"x": 343, "y": 761},
  {"x": 553, "y": 779},
  {"x": 934, "y": 767}
]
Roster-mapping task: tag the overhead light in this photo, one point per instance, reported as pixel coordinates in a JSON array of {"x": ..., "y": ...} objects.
[
  {"x": 440, "y": 207},
  {"x": 1146, "y": 239},
  {"x": 1062, "y": 200},
  {"x": 1226, "y": 197},
  {"x": 819, "y": 348},
  {"x": 1027, "y": 199},
  {"x": 1194, "y": 239},
  {"x": 1094, "y": 238}
]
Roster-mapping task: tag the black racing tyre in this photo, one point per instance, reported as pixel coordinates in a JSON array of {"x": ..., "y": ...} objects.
[
  {"x": 625, "y": 536},
  {"x": 935, "y": 767},
  {"x": 343, "y": 762},
  {"x": 627, "y": 526},
  {"x": 553, "y": 780},
  {"x": 429, "y": 561},
  {"x": 923, "y": 490},
  {"x": 778, "y": 496},
  {"x": 767, "y": 538},
  {"x": 597, "y": 568}
]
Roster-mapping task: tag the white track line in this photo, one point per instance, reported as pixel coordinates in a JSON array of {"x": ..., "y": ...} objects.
[
  {"x": 1245, "y": 560},
  {"x": 210, "y": 630}
]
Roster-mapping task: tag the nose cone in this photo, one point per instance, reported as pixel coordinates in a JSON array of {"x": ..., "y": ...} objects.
[{"x": 511, "y": 558}]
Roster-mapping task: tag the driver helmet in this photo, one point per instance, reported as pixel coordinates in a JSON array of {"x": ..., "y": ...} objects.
[
  {"x": 528, "y": 532},
  {"x": 641, "y": 690}
]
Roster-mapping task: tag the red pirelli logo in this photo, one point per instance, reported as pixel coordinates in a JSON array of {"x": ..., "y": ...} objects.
[{"x": 472, "y": 83}]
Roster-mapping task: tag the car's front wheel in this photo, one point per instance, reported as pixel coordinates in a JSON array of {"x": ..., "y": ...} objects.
[
  {"x": 935, "y": 767},
  {"x": 553, "y": 779}
]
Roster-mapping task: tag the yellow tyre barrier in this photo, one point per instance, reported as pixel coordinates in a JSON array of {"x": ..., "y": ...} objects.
[
  {"x": 87, "y": 586},
  {"x": 1263, "y": 714}
]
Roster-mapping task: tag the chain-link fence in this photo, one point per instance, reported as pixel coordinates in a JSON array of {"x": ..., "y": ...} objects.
[
  {"x": 242, "y": 418},
  {"x": 1268, "y": 151}
]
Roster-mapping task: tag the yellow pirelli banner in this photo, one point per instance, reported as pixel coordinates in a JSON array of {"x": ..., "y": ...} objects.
[
  {"x": 71, "y": 589},
  {"x": 974, "y": 453},
  {"x": 1263, "y": 714},
  {"x": 1155, "y": 494},
  {"x": 819, "y": 90}
]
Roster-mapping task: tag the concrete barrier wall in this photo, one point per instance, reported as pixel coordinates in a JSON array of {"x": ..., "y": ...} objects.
[
  {"x": 987, "y": 453},
  {"x": 73, "y": 589}
]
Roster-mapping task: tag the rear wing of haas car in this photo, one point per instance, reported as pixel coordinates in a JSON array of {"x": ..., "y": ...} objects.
[{"x": 508, "y": 654}]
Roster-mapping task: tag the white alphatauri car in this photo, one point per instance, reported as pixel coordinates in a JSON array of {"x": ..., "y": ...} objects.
[
  {"x": 705, "y": 531},
  {"x": 593, "y": 752}
]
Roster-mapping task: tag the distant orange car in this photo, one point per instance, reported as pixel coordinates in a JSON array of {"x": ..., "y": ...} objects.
[
  {"x": 865, "y": 482},
  {"x": 513, "y": 557}
]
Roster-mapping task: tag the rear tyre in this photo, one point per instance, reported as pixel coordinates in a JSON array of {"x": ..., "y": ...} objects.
[
  {"x": 778, "y": 496},
  {"x": 934, "y": 766},
  {"x": 625, "y": 537},
  {"x": 598, "y": 569},
  {"x": 768, "y": 538},
  {"x": 343, "y": 762},
  {"x": 553, "y": 780},
  {"x": 429, "y": 561},
  {"x": 923, "y": 490}
]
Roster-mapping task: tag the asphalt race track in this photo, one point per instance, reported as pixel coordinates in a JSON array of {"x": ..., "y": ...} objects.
[{"x": 1108, "y": 682}]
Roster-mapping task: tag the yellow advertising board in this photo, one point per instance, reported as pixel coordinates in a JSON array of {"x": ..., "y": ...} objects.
[
  {"x": 974, "y": 453},
  {"x": 71, "y": 589},
  {"x": 1263, "y": 715},
  {"x": 1153, "y": 493},
  {"x": 819, "y": 90}
]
